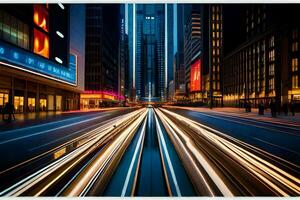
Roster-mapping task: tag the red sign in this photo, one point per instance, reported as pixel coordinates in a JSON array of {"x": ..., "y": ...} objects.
[{"x": 196, "y": 76}]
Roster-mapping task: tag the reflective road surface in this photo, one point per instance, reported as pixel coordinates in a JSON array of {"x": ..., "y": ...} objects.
[{"x": 151, "y": 152}]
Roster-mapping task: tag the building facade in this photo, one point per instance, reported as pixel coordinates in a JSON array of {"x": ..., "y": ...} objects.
[
  {"x": 203, "y": 53},
  {"x": 102, "y": 56},
  {"x": 38, "y": 70},
  {"x": 179, "y": 67},
  {"x": 265, "y": 67},
  {"x": 150, "y": 64}
]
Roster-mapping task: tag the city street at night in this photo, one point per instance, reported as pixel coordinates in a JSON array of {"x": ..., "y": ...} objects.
[
  {"x": 141, "y": 99},
  {"x": 151, "y": 152}
]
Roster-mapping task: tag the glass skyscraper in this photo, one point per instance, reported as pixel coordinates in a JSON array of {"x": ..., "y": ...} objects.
[{"x": 147, "y": 41}]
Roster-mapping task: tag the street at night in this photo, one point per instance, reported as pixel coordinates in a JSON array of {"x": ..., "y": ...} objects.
[
  {"x": 151, "y": 152},
  {"x": 139, "y": 99}
]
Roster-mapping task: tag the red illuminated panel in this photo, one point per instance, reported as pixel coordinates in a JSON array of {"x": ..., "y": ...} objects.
[
  {"x": 41, "y": 44},
  {"x": 196, "y": 76},
  {"x": 40, "y": 17}
]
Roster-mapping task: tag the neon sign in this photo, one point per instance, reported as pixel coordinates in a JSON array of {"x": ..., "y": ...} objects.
[{"x": 26, "y": 61}]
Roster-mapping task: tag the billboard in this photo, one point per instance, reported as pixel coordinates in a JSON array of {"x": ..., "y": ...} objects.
[
  {"x": 23, "y": 60},
  {"x": 195, "y": 79}
]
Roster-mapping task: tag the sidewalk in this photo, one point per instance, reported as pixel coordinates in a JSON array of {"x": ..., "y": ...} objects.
[{"x": 240, "y": 112}]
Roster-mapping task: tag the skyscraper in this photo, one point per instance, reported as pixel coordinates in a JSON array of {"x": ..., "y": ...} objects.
[
  {"x": 146, "y": 29},
  {"x": 102, "y": 50},
  {"x": 170, "y": 42}
]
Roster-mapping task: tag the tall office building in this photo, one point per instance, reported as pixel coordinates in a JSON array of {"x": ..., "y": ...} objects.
[
  {"x": 170, "y": 43},
  {"x": 150, "y": 74},
  {"x": 179, "y": 67},
  {"x": 264, "y": 66},
  {"x": 123, "y": 55},
  {"x": 213, "y": 54},
  {"x": 38, "y": 72},
  {"x": 193, "y": 50},
  {"x": 203, "y": 53},
  {"x": 102, "y": 50}
]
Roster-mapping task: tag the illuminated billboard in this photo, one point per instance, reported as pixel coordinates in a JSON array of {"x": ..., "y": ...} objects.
[
  {"x": 23, "y": 60},
  {"x": 195, "y": 84},
  {"x": 41, "y": 43}
]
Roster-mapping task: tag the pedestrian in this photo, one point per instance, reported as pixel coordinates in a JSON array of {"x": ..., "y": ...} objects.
[
  {"x": 261, "y": 108},
  {"x": 273, "y": 108},
  {"x": 293, "y": 108},
  {"x": 11, "y": 112},
  {"x": 246, "y": 106}
]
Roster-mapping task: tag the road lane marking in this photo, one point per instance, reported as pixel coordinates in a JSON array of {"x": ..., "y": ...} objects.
[
  {"x": 125, "y": 186},
  {"x": 49, "y": 130},
  {"x": 168, "y": 158}
]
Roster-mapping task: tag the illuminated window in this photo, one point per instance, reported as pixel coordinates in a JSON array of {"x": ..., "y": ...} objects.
[
  {"x": 40, "y": 17},
  {"x": 272, "y": 42},
  {"x": 272, "y": 55},
  {"x": 295, "y": 64},
  {"x": 271, "y": 84},
  {"x": 13, "y": 30},
  {"x": 295, "y": 81},
  {"x": 41, "y": 44},
  {"x": 271, "y": 69},
  {"x": 295, "y": 46}
]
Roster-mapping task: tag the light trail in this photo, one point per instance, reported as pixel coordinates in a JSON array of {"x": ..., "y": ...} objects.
[
  {"x": 190, "y": 148},
  {"x": 50, "y": 130},
  {"x": 138, "y": 146},
  {"x": 86, "y": 179},
  {"x": 275, "y": 178},
  {"x": 71, "y": 159},
  {"x": 165, "y": 150}
]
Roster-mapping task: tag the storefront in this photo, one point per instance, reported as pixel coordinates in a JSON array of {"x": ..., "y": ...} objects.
[{"x": 96, "y": 99}]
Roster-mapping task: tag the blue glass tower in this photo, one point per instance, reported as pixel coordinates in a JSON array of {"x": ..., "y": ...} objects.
[{"x": 146, "y": 34}]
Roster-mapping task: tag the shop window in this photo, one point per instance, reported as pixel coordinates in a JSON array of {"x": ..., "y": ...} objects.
[
  {"x": 19, "y": 104},
  {"x": 50, "y": 102},
  {"x": 3, "y": 100},
  {"x": 43, "y": 104},
  {"x": 40, "y": 17},
  {"x": 41, "y": 43},
  {"x": 58, "y": 103},
  {"x": 31, "y": 104}
]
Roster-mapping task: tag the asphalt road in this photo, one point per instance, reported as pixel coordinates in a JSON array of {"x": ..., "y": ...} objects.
[
  {"x": 24, "y": 143},
  {"x": 151, "y": 152},
  {"x": 280, "y": 140}
]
